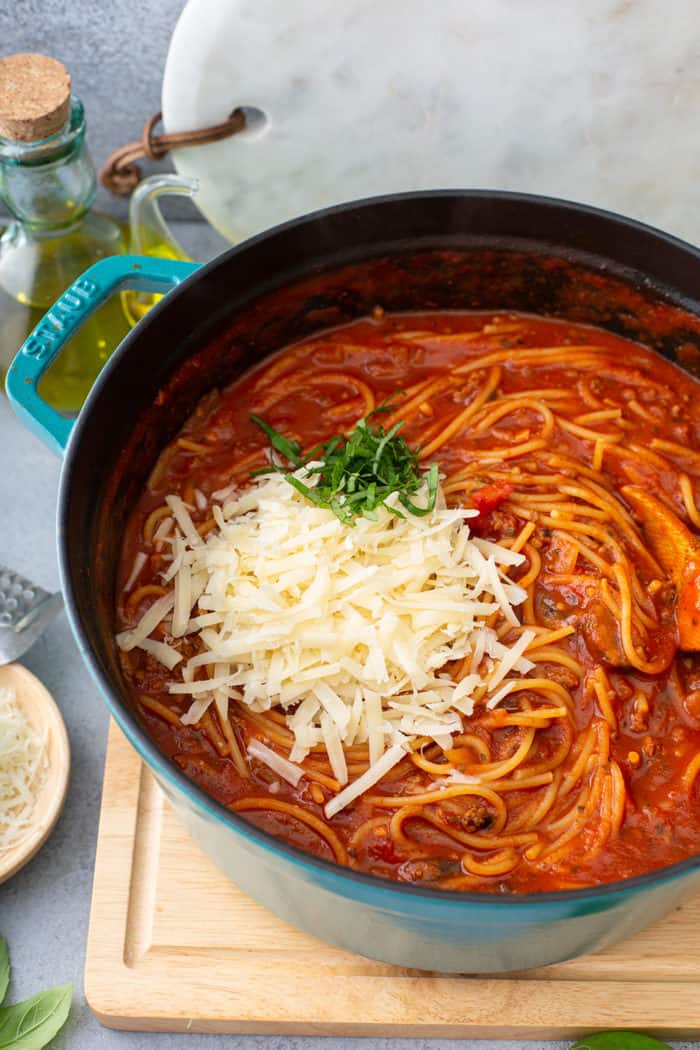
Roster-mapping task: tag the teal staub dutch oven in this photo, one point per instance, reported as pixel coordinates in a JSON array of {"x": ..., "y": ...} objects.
[{"x": 439, "y": 250}]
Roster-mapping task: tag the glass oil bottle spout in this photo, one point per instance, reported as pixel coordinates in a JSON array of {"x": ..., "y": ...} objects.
[{"x": 149, "y": 234}]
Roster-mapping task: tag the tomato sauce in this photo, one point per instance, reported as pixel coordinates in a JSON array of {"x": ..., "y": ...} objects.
[{"x": 647, "y": 413}]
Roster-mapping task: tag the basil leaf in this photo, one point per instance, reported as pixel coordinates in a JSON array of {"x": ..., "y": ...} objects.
[
  {"x": 290, "y": 449},
  {"x": 310, "y": 494},
  {"x": 386, "y": 405},
  {"x": 4, "y": 969},
  {"x": 32, "y": 1024},
  {"x": 619, "y": 1041},
  {"x": 356, "y": 472},
  {"x": 381, "y": 445}
]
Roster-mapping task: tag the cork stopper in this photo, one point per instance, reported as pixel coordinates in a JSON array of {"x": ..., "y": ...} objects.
[{"x": 34, "y": 97}]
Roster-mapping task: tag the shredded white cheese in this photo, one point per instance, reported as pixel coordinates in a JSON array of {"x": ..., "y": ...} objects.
[
  {"x": 163, "y": 530},
  {"x": 139, "y": 562},
  {"x": 289, "y": 771},
  {"x": 148, "y": 622},
  {"x": 23, "y": 768},
  {"x": 346, "y": 629},
  {"x": 164, "y": 653},
  {"x": 364, "y": 782}
]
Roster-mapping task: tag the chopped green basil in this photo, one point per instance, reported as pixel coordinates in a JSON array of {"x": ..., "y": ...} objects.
[{"x": 356, "y": 473}]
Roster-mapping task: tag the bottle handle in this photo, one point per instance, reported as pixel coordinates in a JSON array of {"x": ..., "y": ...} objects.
[
  {"x": 62, "y": 321},
  {"x": 148, "y": 229}
]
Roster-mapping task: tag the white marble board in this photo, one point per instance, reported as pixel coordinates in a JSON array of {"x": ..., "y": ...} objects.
[{"x": 592, "y": 100}]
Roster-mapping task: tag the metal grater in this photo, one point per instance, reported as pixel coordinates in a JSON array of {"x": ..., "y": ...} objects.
[{"x": 25, "y": 611}]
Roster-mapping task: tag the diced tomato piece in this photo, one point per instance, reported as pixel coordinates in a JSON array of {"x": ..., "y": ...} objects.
[
  {"x": 489, "y": 497},
  {"x": 384, "y": 850}
]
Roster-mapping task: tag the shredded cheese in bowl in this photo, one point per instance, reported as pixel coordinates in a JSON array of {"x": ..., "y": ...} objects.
[
  {"x": 348, "y": 630},
  {"x": 24, "y": 766}
]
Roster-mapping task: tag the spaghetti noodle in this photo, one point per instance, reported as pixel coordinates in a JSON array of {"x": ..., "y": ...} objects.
[{"x": 587, "y": 769}]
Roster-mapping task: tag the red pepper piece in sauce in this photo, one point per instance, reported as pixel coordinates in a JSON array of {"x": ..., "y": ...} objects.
[
  {"x": 384, "y": 850},
  {"x": 489, "y": 497}
]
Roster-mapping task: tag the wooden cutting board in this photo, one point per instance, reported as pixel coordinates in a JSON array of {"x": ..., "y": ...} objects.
[{"x": 174, "y": 946}]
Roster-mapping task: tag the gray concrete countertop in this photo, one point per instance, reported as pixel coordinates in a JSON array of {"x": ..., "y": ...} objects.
[{"x": 44, "y": 909}]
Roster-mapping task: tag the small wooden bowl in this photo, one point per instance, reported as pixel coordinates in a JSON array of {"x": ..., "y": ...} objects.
[{"x": 42, "y": 712}]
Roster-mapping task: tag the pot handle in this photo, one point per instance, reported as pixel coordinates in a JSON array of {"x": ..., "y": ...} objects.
[{"x": 144, "y": 273}]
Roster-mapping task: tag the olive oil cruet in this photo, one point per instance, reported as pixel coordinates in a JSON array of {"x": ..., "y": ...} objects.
[{"x": 48, "y": 184}]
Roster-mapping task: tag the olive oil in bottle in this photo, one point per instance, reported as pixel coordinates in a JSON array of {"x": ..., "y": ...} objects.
[{"x": 48, "y": 183}]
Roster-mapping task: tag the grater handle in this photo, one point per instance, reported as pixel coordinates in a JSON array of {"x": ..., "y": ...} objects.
[{"x": 25, "y": 610}]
